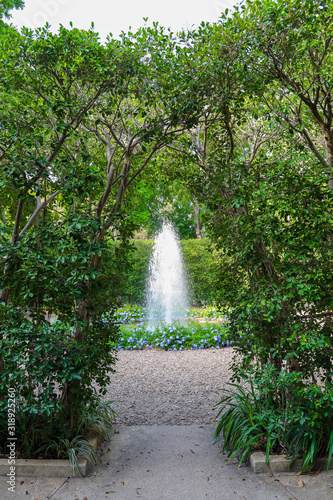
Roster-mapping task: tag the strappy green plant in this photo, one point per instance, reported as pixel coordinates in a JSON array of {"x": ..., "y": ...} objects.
[
  {"x": 99, "y": 418},
  {"x": 250, "y": 418},
  {"x": 244, "y": 421},
  {"x": 79, "y": 445},
  {"x": 310, "y": 439}
]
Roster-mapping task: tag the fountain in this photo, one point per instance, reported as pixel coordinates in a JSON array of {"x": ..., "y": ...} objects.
[{"x": 166, "y": 291}]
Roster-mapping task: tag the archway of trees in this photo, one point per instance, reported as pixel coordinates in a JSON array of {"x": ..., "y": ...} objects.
[{"x": 227, "y": 130}]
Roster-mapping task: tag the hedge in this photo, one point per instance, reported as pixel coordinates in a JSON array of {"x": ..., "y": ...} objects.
[{"x": 204, "y": 267}]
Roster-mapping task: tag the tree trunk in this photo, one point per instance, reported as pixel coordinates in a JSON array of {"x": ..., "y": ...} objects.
[{"x": 197, "y": 221}]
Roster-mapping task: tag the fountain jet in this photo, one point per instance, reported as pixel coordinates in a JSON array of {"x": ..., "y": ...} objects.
[{"x": 166, "y": 291}]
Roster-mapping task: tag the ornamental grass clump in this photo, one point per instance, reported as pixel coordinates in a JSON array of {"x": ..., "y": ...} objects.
[
  {"x": 244, "y": 421},
  {"x": 251, "y": 419}
]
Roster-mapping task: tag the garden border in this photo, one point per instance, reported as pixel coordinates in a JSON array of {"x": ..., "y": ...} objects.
[
  {"x": 50, "y": 468},
  {"x": 280, "y": 463}
]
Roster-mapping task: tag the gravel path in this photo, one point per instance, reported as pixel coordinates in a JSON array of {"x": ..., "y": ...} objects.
[{"x": 155, "y": 387}]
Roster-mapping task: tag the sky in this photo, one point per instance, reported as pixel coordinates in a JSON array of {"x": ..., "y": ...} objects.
[{"x": 114, "y": 16}]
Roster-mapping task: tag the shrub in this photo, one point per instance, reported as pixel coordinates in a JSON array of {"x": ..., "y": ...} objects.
[
  {"x": 254, "y": 419},
  {"x": 205, "y": 267},
  {"x": 59, "y": 371},
  {"x": 41, "y": 361}
]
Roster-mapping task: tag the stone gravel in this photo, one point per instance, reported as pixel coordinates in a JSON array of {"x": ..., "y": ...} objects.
[{"x": 156, "y": 387}]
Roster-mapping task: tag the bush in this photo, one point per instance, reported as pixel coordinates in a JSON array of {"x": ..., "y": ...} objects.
[
  {"x": 205, "y": 267},
  {"x": 58, "y": 371},
  {"x": 254, "y": 419},
  {"x": 41, "y": 362},
  {"x": 280, "y": 318}
]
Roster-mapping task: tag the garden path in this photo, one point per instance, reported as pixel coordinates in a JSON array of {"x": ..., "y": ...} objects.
[
  {"x": 162, "y": 449},
  {"x": 155, "y": 387}
]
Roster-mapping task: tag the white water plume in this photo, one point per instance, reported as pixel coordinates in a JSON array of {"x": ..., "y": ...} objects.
[{"x": 166, "y": 294}]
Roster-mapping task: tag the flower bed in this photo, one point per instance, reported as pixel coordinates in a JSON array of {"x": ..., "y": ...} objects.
[{"x": 175, "y": 337}]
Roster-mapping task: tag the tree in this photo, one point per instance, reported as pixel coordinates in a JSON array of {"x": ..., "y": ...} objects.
[
  {"x": 269, "y": 209},
  {"x": 82, "y": 121},
  {"x": 7, "y": 5},
  {"x": 50, "y": 84},
  {"x": 290, "y": 46}
]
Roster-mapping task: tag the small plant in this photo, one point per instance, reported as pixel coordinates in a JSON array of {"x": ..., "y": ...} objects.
[
  {"x": 69, "y": 448},
  {"x": 253, "y": 418},
  {"x": 309, "y": 431},
  {"x": 245, "y": 420},
  {"x": 80, "y": 445},
  {"x": 98, "y": 418}
]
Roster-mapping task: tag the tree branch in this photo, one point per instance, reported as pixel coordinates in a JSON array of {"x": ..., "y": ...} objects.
[{"x": 37, "y": 212}]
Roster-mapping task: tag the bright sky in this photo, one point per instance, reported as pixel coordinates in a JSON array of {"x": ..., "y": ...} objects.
[{"x": 114, "y": 16}]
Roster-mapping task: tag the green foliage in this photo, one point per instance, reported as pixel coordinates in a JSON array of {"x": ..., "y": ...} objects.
[
  {"x": 67, "y": 103},
  {"x": 245, "y": 421},
  {"x": 48, "y": 269},
  {"x": 205, "y": 267},
  {"x": 211, "y": 313},
  {"x": 7, "y": 5},
  {"x": 136, "y": 274},
  {"x": 156, "y": 199},
  {"x": 262, "y": 164},
  {"x": 280, "y": 316},
  {"x": 252, "y": 418},
  {"x": 52, "y": 367},
  {"x": 53, "y": 361},
  {"x": 244, "y": 107},
  {"x": 99, "y": 418},
  {"x": 79, "y": 446},
  {"x": 135, "y": 314}
]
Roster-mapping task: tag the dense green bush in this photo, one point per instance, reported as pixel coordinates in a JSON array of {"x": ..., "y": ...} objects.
[
  {"x": 136, "y": 273},
  {"x": 205, "y": 267},
  {"x": 280, "y": 319},
  {"x": 54, "y": 369},
  {"x": 41, "y": 362}
]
